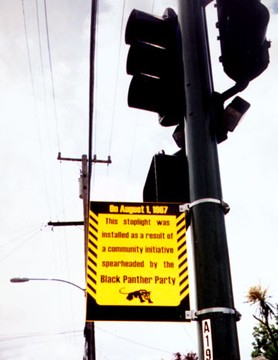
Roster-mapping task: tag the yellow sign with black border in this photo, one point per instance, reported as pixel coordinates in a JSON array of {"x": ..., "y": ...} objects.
[{"x": 137, "y": 266}]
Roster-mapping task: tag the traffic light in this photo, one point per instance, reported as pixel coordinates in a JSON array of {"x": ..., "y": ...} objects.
[
  {"x": 167, "y": 179},
  {"x": 155, "y": 61},
  {"x": 242, "y": 28}
]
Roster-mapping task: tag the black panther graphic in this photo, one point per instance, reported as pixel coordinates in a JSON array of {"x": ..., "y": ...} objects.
[{"x": 142, "y": 294}]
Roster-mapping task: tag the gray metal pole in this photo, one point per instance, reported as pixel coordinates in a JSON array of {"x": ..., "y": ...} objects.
[{"x": 216, "y": 315}]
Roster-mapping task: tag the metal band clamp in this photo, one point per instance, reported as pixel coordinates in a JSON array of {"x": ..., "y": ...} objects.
[
  {"x": 187, "y": 207},
  {"x": 193, "y": 315}
]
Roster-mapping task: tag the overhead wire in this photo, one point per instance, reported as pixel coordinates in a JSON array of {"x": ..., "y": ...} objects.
[
  {"x": 146, "y": 345},
  {"x": 53, "y": 93},
  {"x": 14, "y": 337},
  {"x": 117, "y": 77},
  {"x": 12, "y": 346},
  {"x": 27, "y": 46},
  {"x": 41, "y": 60},
  {"x": 20, "y": 241},
  {"x": 60, "y": 249},
  {"x": 51, "y": 74},
  {"x": 36, "y": 117},
  {"x": 43, "y": 113},
  {"x": 6, "y": 240},
  {"x": 133, "y": 144},
  {"x": 116, "y": 87},
  {"x": 115, "y": 93},
  {"x": 134, "y": 341}
]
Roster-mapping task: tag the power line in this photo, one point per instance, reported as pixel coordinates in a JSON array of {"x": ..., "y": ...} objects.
[
  {"x": 12, "y": 337},
  {"x": 33, "y": 89},
  {"x": 135, "y": 342},
  {"x": 51, "y": 73},
  {"x": 23, "y": 241},
  {"x": 117, "y": 78},
  {"x": 28, "y": 51},
  {"x": 40, "y": 52}
]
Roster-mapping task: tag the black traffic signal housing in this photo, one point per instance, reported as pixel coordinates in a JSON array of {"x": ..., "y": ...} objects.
[
  {"x": 244, "y": 49},
  {"x": 155, "y": 61},
  {"x": 167, "y": 179}
]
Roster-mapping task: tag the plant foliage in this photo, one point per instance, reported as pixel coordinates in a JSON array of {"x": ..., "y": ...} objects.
[{"x": 266, "y": 332}]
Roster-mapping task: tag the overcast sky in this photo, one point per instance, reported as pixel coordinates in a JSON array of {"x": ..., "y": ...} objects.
[{"x": 44, "y": 110}]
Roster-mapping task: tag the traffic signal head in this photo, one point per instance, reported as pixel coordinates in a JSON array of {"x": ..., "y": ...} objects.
[
  {"x": 244, "y": 48},
  {"x": 155, "y": 61},
  {"x": 167, "y": 179}
]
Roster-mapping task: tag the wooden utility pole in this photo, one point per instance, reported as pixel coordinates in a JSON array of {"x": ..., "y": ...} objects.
[{"x": 89, "y": 330}]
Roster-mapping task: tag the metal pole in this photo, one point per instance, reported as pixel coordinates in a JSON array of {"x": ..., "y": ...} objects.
[{"x": 216, "y": 315}]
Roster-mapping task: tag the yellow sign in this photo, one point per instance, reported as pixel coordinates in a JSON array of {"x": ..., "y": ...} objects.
[{"x": 137, "y": 255}]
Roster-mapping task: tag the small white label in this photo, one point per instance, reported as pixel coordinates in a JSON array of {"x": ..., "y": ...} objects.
[{"x": 207, "y": 339}]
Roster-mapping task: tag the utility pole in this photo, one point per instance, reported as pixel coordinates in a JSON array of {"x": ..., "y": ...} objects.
[
  {"x": 89, "y": 331},
  {"x": 215, "y": 314}
]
